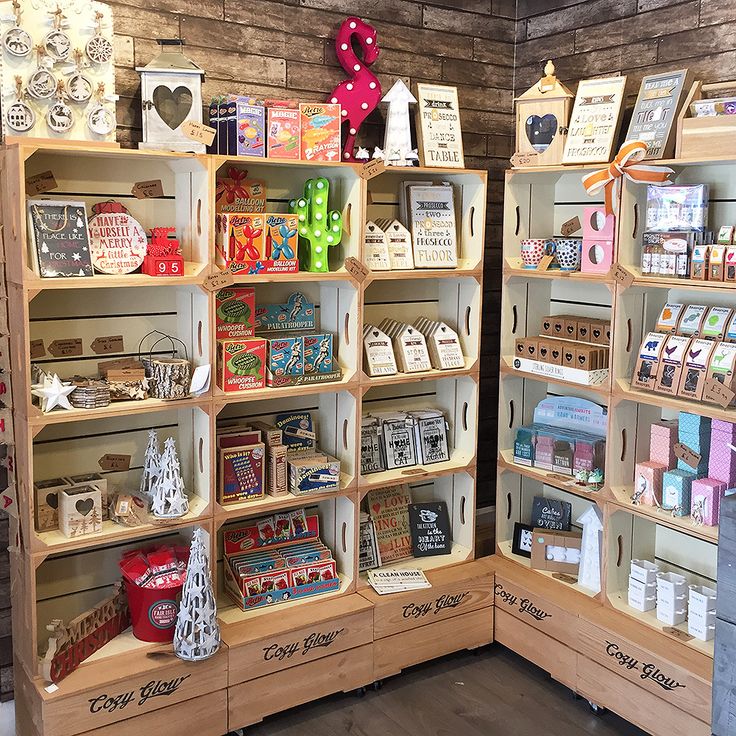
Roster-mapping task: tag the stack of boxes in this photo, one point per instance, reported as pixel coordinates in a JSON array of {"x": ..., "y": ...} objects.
[
  {"x": 671, "y": 598},
  {"x": 643, "y": 585},
  {"x": 701, "y": 619}
]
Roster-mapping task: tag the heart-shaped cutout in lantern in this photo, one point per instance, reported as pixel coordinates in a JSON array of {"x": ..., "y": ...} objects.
[
  {"x": 84, "y": 505},
  {"x": 172, "y": 107},
  {"x": 540, "y": 131},
  {"x": 52, "y": 499}
]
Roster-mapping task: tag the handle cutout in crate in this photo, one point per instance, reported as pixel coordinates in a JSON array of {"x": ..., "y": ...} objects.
[
  {"x": 620, "y": 544},
  {"x": 199, "y": 217},
  {"x": 465, "y": 416},
  {"x": 623, "y": 444},
  {"x": 518, "y": 220},
  {"x": 199, "y": 339},
  {"x": 462, "y": 510},
  {"x": 201, "y": 455},
  {"x": 472, "y": 222},
  {"x": 515, "y": 319},
  {"x": 508, "y": 506},
  {"x": 467, "y": 320},
  {"x": 635, "y": 213},
  {"x": 346, "y": 328},
  {"x": 344, "y": 537},
  {"x": 511, "y": 413},
  {"x": 345, "y": 434},
  {"x": 629, "y": 335}
]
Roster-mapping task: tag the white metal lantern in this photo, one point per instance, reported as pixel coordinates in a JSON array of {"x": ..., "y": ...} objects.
[{"x": 171, "y": 92}]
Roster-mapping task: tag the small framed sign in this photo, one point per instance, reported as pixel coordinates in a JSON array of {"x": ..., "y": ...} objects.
[
  {"x": 595, "y": 121},
  {"x": 522, "y": 542},
  {"x": 551, "y": 513},
  {"x": 429, "y": 524},
  {"x": 438, "y": 127}
]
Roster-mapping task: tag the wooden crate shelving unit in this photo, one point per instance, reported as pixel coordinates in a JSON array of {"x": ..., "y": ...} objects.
[
  {"x": 55, "y": 577},
  {"x": 580, "y": 638}
]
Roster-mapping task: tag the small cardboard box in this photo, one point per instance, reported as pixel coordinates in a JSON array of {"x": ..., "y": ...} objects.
[
  {"x": 555, "y": 353},
  {"x": 239, "y": 238},
  {"x": 729, "y": 265},
  {"x": 556, "y": 551},
  {"x": 669, "y": 317},
  {"x": 530, "y": 345},
  {"x": 46, "y": 502},
  {"x": 697, "y": 362},
  {"x": 558, "y": 325},
  {"x": 241, "y": 364},
  {"x": 723, "y": 365},
  {"x": 571, "y": 328},
  {"x": 692, "y": 320},
  {"x": 671, "y": 363},
  {"x": 662, "y": 440},
  {"x": 320, "y": 131},
  {"x": 648, "y": 483},
  {"x": 706, "y": 495},
  {"x": 544, "y": 350},
  {"x": 318, "y": 473},
  {"x": 700, "y": 263},
  {"x": 546, "y": 328},
  {"x": 281, "y": 241},
  {"x": 586, "y": 358},
  {"x": 648, "y": 361},
  {"x": 277, "y": 475},
  {"x": 235, "y": 313},
  {"x": 285, "y": 356},
  {"x": 676, "y": 489},
  {"x": 716, "y": 267},
  {"x": 598, "y": 331},
  {"x": 283, "y": 133},
  {"x": 318, "y": 353},
  {"x": 241, "y": 473},
  {"x": 568, "y": 355},
  {"x": 716, "y": 322}
]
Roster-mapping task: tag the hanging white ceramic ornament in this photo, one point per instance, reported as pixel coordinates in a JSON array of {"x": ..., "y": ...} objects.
[
  {"x": 99, "y": 48},
  {"x": 101, "y": 119},
  {"x": 60, "y": 117},
  {"x": 19, "y": 115},
  {"x": 42, "y": 83},
  {"x": 57, "y": 45},
  {"x": 16, "y": 40},
  {"x": 397, "y": 148}
]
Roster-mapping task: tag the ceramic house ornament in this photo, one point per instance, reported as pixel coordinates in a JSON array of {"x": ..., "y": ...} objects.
[
  {"x": 542, "y": 117},
  {"x": 171, "y": 90}
]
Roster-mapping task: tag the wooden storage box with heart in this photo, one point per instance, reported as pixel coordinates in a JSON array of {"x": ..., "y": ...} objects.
[{"x": 80, "y": 511}]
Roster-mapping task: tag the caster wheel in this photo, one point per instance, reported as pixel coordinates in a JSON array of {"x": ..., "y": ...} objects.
[
  {"x": 596, "y": 709},
  {"x": 360, "y": 692},
  {"x": 377, "y": 685}
]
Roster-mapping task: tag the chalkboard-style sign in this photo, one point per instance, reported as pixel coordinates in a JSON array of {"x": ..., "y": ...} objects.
[
  {"x": 551, "y": 513},
  {"x": 430, "y": 529}
]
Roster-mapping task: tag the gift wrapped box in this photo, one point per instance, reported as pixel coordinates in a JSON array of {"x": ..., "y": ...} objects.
[
  {"x": 648, "y": 482},
  {"x": 721, "y": 458},
  {"x": 693, "y": 424},
  {"x": 662, "y": 440},
  {"x": 705, "y": 500},
  {"x": 676, "y": 490}
]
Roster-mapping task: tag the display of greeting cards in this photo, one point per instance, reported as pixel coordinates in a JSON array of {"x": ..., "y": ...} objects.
[
  {"x": 320, "y": 131},
  {"x": 433, "y": 231},
  {"x": 59, "y": 239}
]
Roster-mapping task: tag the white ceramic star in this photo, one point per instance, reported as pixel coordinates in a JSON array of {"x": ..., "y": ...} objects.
[
  {"x": 363, "y": 154},
  {"x": 53, "y": 393}
]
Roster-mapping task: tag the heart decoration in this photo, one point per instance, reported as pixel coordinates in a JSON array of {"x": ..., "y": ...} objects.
[
  {"x": 530, "y": 348},
  {"x": 570, "y": 329},
  {"x": 84, "y": 505},
  {"x": 555, "y": 354},
  {"x": 581, "y": 359},
  {"x": 52, "y": 499},
  {"x": 540, "y": 131},
  {"x": 520, "y": 348},
  {"x": 376, "y": 507},
  {"x": 596, "y": 333},
  {"x": 172, "y": 107},
  {"x": 370, "y": 228},
  {"x": 546, "y": 326},
  {"x": 582, "y": 331},
  {"x": 543, "y": 352}
]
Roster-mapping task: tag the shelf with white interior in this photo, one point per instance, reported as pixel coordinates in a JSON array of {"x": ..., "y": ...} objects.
[
  {"x": 96, "y": 176},
  {"x": 388, "y": 199}
]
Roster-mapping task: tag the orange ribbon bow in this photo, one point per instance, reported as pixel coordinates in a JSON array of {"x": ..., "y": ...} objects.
[{"x": 625, "y": 165}]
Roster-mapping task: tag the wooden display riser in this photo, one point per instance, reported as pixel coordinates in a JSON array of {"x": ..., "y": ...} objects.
[
  {"x": 455, "y": 613},
  {"x": 602, "y": 654}
]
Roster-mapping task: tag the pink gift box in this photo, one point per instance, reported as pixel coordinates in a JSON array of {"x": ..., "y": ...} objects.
[
  {"x": 705, "y": 500},
  {"x": 722, "y": 459},
  {"x": 648, "y": 483},
  {"x": 662, "y": 440}
]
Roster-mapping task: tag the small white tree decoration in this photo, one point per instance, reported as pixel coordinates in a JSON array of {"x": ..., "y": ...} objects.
[
  {"x": 169, "y": 496},
  {"x": 197, "y": 633},
  {"x": 151, "y": 466}
]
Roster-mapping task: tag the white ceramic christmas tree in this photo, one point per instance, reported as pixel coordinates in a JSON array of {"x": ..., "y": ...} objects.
[
  {"x": 169, "y": 497},
  {"x": 197, "y": 633},
  {"x": 151, "y": 465}
]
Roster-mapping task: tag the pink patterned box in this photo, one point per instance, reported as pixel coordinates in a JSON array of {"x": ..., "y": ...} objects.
[
  {"x": 722, "y": 459},
  {"x": 648, "y": 483},
  {"x": 705, "y": 500},
  {"x": 662, "y": 440}
]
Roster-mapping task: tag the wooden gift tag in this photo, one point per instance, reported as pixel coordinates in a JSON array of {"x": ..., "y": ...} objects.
[
  {"x": 219, "y": 280},
  {"x": 519, "y": 160},
  {"x": 570, "y": 227},
  {"x": 372, "y": 169},
  {"x": 399, "y": 244},
  {"x": 66, "y": 348},
  {"x": 113, "y": 461},
  {"x": 715, "y": 392},
  {"x": 411, "y": 349},
  {"x": 688, "y": 456},
  {"x": 375, "y": 248},
  {"x": 38, "y": 350},
  {"x": 356, "y": 269},
  {"x": 378, "y": 352},
  {"x": 622, "y": 276},
  {"x": 198, "y": 132},
  {"x": 108, "y": 344},
  {"x": 148, "y": 189},
  {"x": 40, "y": 183}
]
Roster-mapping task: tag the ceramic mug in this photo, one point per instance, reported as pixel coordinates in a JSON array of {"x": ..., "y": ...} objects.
[
  {"x": 533, "y": 249},
  {"x": 568, "y": 252}
]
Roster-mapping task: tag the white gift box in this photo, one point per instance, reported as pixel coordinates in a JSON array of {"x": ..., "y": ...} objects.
[
  {"x": 671, "y": 616},
  {"x": 701, "y": 625},
  {"x": 701, "y": 599},
  {"x": 671, "y": 590},
  {"x": 642, "y": 596},
  {"x": 644, "y": 571}
]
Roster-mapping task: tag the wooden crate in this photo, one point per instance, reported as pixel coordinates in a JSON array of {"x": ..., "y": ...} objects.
[{"x": 702, "y": 137}]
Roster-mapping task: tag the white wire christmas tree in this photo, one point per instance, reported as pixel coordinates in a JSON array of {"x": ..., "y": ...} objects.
[
  {"x": 169, "y": 498},
  {"x": 197, "y": 633},
  {"x": 151, "y": 465}
]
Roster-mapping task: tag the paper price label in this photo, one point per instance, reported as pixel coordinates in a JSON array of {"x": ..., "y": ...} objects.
[
  {"x": 524, "y": 159},
  {"x": 545, "y": 263},
  {"x": 66, "y": 348},
  {"x": 716, "y": 393},
  {"x": 37, "y": 349},
  {"x": 622, "y": 276},
  {"x": 40, "y": 183},
  {"x": 372, "y": 168},
  {"x": 220, "y": 280},
  {"x": 571, "y": 226},
  {"x": 198, "y": 132},
  {"x": 111, "y": 461},
  {"x": 356, "y": 269},
  {"x": 413, "y": 471},
  {"x": 106, "y": 345},
  {"x": 688, "y": 456},
  {"x": 148, "y": 189},
  {"x": 681, "y": 635},
  {"x": 565, "y": 578}
]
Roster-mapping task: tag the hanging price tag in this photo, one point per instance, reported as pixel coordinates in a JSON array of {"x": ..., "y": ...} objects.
[
  {"x": 198, "y": 132},
  {"x": 111, "y": 461},
  {"x": 571, "y": 226},
  {"x": 107, "y": 345},
  {"x": 219, "y": 280},
  {"x": 356, "y": 269},
  {"x": 40, "y": 183},
  {"x": 622, "y": 276},
  {"x": 148, "y": 189},
  {"x": 37, "y": 349},
  {"x": 66, "y": 348},
  {"x": 372, "y": 168},
  {"x": 688, "y": 456},
  {"x": 715, "y": 392},
  {"x": 524, "y": 159},
  {"x": 545, "y": 263}
]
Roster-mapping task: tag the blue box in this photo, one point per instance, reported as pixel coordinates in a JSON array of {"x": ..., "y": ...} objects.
[
  {"x": 296, "y": 314},
  {"x": 318, "y": 353},
  {"x": 676, "y": 488},
  {"x": 692, "y": 424},
  {"x": 285, "y": 356}
]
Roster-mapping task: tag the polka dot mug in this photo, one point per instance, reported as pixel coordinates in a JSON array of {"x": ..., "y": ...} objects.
[
  {"x": 533, "y": 249},
  {"x": 567, "y": 253}
]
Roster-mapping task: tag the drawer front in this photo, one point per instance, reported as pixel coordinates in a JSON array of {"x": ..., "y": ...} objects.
[
  {"x": 266, "y": 656},
  {"x": 550, "y": 654},
  {"x": 640, "y": 667},
  {"x": 536, "y": 611},
  {"x": 250, "y": 702},
  {"x": 403, "y": 612},
  {"x": 606, "y": 688},
  {"x": 422, "y": 643},
  {"x": 90, "y": 709},
  {"x": 204, "y": 716}
]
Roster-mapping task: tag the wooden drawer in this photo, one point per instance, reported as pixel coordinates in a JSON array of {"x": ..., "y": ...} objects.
[
  {"x": 635, "y": 704},
  {"x": 641, "y": 667},
  {"x": 344, "y": 624},
  {"x": 422, "y": 643},
  {"x": 251, "y": 701},
  {"x": 550, "y": 654},
  {"x": 535, "y": 610},
  {"x": 100, "y": 694},
  {"x": 455, "y": 591}
]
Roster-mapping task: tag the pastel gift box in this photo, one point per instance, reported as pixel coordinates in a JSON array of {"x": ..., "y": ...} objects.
[
  {"x": 691, "y": 424},
  {"x": 676, "y": 490},
  {"x": 662, "y": 439},
  {"x": 705, "y": 500},
  {"x": 649, "y": 482},
  {"x": 721, "y": 458},
  {"x": 644, "y": 571},
  {"x": 598, "y": 240},
  {"x": 544, "y": 451},
  {"x": 642, "y": 596}
]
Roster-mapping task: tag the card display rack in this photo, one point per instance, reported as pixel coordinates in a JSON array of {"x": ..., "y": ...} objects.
[
  {"x": 55, "y": 577},
  {"x": 582, "y": 638}
]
